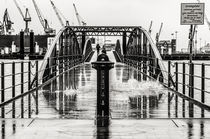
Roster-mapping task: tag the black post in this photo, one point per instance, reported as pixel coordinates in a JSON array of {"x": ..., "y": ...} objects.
[
  {"x": 22, "y": 89},
  {"x": 102, "y": 65},
  {"x": 13, "y": 89},
  {"x": 124, "y": 43},
  {"x": 22, "y": 45},
  {"x": 31, "y": 43},
  {"x": 2, "y": 90},
  {"x": 83, "y": 41}
]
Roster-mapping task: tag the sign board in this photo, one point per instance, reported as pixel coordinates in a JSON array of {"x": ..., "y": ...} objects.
[{"x": 192, "y": 13}]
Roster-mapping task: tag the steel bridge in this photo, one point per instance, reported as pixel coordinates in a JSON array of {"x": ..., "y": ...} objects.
[{"x": 71, "y": 53}]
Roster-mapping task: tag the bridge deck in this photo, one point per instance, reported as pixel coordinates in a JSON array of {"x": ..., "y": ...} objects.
[
  {"x": 67, "y": 109},
  {"x": 119, "y": 129}
]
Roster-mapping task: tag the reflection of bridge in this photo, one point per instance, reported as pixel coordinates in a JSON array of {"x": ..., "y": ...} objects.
[{"x": 63, "y": 84}]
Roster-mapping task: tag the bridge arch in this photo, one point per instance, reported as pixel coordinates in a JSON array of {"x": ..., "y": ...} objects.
[{"x": 65, "y": 49}]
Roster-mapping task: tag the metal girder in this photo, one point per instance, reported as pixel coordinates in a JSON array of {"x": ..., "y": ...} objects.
[{"x": 103, "y": 30}]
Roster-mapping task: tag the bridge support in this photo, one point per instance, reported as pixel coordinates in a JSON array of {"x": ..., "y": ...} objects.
[
  {"x": 102, "y": 65},
  {"x": 83, "y": 41},
  {"x": 124, "y": 42}
]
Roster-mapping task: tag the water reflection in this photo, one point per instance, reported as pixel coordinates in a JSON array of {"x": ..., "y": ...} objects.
[{"x": 73, "y": 95}]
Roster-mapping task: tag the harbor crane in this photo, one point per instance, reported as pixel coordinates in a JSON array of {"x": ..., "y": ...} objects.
[
  {"x": 150, "y": 28},
  {"x": 158, "y": 34},
  {"x": 26, "y": 17},
  {"x": 79, "y": 18},
  {"x": 7, "y": 24},
  {"x": 43, "y": 21},
  {"x": 205, "y": 16},
  {"x": 59, "y": 14}
]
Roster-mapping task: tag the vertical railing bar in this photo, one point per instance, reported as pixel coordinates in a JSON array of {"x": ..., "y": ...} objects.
[
  {"x": 22, "y": 89},
  {"x": 2, "y": 90},
  {"x": 177, "y": 83},
  {"x": 13, "y": 89},
  {"x": 183, "y": 89},
  {"x": 29, "y": 88},
  {"x": 37, "y": 94}
]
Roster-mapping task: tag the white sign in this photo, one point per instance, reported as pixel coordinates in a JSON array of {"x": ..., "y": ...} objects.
[{"x": 192, "y": 13}]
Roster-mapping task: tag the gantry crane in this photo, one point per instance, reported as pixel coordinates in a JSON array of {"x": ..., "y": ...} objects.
[
  {"x": 158, "y": 34},
  {"x": 7, "y": 24},
  {"x": 59, "y": 14},
  {"x": 79, "y": 18},
  {"x": 26, "y": 17},
  {"x": 43, "y": 21}
]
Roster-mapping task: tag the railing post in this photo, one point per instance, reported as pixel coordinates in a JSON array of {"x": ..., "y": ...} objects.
[
  {"x": 48, "y": 68},
  {"x": 2, "y": 90},
  {"x": 177, "y": 83},
  {"x": 169, "y": 94},
  {"x": 191, "y": 89},
  {"x": 169, "y": 73},
  {"x": 29, "y": 88},
  {"x": 183, "y": 88},
  {"x": 37, "y": 93},
  {"x": 202, "y": 88},
  {"x": 13, "y": 89},
  {"x": 22, "y": 89}
]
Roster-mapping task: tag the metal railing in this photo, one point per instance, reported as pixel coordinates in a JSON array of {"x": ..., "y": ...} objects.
[
  {"x": 20, "y": 83},
  {"x": 190, "y": 81}
]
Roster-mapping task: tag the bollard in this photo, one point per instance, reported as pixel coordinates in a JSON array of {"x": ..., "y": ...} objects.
[
  {"x": 22, "y": 45},
  {"x": 32, "y": 42},
  {"x": 102, "y": 65}
]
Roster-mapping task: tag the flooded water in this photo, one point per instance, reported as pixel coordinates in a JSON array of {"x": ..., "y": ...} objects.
[
  {"x": 67, "y": 109},
  {"x": 73, "y": 96}
]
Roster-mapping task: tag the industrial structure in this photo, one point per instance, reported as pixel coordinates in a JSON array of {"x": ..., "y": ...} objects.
[
  {"x": 79, "y": 18},
  {"x": 59, "y": 15},
  {"x": 26, "y": 17},
  {"x": 43, "y": 21}
]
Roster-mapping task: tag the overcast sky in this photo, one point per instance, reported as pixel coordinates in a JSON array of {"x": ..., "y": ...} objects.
[{"x": 114, "y": 12}]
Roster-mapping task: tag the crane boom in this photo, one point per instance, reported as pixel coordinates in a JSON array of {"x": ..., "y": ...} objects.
[
  {"x": 205, "y": 16},
  {"x": 42, "y": 20},
  {"x": 56, "y": 12},
  {"x": 158, "y": 34},
  {"x": 161, "y": 26},
  {"x": 19, "y": 9},
  {"x": 150, "y": 27},
  {"x": 39, "y": 14},
  {"x": 79, "y": 18}
]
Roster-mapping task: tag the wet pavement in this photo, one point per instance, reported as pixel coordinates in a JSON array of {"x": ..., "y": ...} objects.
[
  {"x": 118, "y": 129},
  {"x": 138, "y": 109}
]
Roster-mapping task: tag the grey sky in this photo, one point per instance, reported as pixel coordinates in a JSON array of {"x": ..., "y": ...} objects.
[{"x": 114, "y": 12}]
